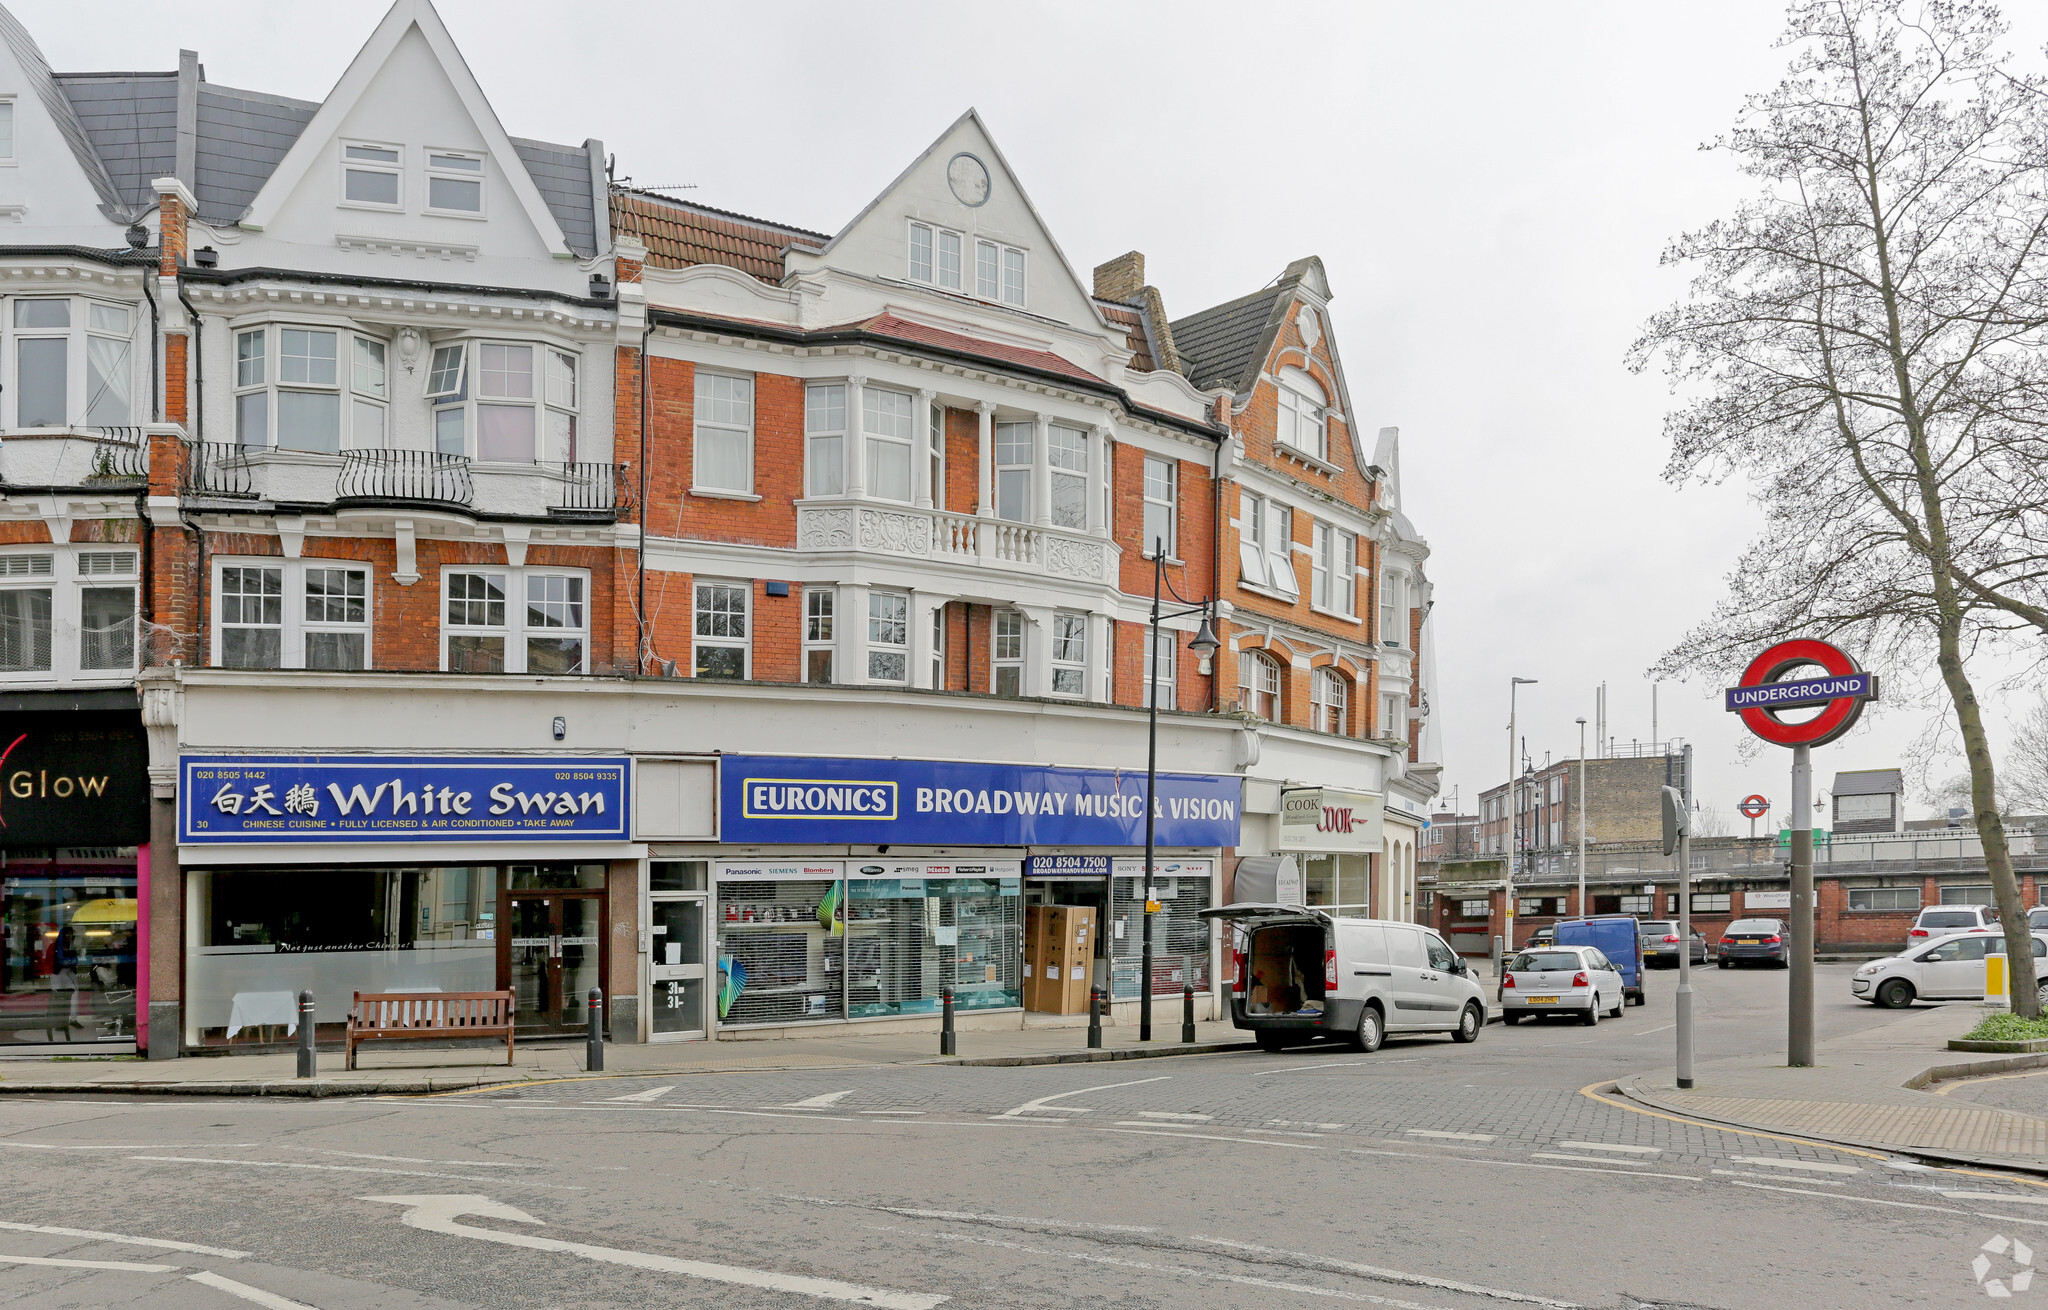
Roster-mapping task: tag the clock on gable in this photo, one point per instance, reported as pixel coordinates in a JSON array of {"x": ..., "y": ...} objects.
[{"x": 968, "y": 177}]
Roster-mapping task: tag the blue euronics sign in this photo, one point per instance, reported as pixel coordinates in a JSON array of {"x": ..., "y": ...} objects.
[
  {"x": 786, "y": 799},
  {"x": 1807, "y": 691},
  {"x": 247, "y": 799}
]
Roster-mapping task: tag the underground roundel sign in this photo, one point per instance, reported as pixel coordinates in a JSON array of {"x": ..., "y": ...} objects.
[
  {"x": 1765, "y": 691},
  {"x": 1754, "y": 807}
]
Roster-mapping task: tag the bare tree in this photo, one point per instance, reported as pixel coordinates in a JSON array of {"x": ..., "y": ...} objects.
[
  {"x": 1867, "y": 342},
  {"x": 2026, "y": 766}
]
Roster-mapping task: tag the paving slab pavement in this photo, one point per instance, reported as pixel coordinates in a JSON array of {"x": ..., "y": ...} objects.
[
  {"x": 1877, "y": 1089},
  {"x": 416, "y": 1068}
]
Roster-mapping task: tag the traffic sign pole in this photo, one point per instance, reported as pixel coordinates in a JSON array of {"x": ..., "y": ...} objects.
[
  {"x": 1799, "y": 990},
  {"x": 1684, "y": 1007}
]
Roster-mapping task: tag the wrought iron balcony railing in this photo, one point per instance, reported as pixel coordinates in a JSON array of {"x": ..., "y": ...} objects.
[{"x": 424, "y": 477}]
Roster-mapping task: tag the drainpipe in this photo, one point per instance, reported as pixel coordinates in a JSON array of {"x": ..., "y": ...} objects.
[
  {"x": 1216, "y": 557},
  {"x": 198, "y": 414},
  {"x": 642, "y": 655}
]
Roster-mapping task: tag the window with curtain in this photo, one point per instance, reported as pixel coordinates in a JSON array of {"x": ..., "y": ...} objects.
[
  {"x": 1329, "y": 696},
  {"x": 886, "y": 422},
  {"x": 825, "y": 439},
  {"x": 724, "y": 432}
]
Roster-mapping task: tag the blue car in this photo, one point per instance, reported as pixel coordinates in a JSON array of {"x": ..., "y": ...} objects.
[{"x": 1618, "y": 938}]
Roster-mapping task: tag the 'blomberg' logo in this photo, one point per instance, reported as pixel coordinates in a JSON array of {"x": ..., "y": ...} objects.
[{"x": 804, "y": 798}]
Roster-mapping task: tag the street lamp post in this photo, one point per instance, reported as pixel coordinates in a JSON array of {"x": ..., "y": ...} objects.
[
  {"x": 1582, "y": 816},
  {"x": 1511, "y": 846},
  {"x": 1204, "y": 645}
]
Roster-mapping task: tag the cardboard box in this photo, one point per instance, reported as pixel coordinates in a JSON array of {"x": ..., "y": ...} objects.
[{"x": 1059, "y": 954}]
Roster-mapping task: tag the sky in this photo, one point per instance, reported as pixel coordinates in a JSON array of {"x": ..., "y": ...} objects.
[{"x": 1489, "y": 185}]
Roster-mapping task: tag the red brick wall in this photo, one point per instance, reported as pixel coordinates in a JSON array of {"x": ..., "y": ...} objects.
[{"x": 963, "y": 460}]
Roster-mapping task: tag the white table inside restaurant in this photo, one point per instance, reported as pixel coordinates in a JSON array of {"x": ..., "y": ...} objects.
[{"x": 252, "y": 1009}]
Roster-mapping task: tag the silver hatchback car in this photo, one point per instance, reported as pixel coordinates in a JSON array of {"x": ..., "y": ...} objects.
[{"x": 1561, "y": 979}]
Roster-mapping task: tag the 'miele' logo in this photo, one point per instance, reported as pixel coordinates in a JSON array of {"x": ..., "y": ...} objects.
[{"x": 37, "y": 784}]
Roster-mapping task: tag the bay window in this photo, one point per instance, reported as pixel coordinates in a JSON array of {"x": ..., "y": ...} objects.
[
  {"x": 53, "y": 336},
  {"x": 508, "y": 402},
  {"x": 888, "y": 637},
  {"x": 1067, "y": 452},
  {"x": 886, "y": 419},
  {"x": 504, "y": 431},
  {"x": 724, "y": 433},
  {"x": 1069, "y": 654},
  {"x": 1393, "y": 603},
  {"x": 1014, "y": 443},
  {"x": 819, "y": 604},
  {"x": 825, "y": 439},
  {"x": 1006, "y": 653},
  {"x": 289, "y": 390}
]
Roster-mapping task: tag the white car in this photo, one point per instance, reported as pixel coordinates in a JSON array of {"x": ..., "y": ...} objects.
[
  {"x": 1947, "y": 969},
  {"x": 1550, "y": 979},
  {"x": 1943, "y": 920}
]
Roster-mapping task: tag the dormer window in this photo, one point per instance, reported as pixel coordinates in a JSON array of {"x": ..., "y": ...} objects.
[
  {"x": 370, "y": 174},
  {"x": 1302, "y": 413},
  {"x": 937, "y": 256},
  {"x": 455, "y": 183}
]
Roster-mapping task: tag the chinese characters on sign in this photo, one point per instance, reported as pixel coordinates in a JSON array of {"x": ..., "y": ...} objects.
[{"x": 401, "y": 798}]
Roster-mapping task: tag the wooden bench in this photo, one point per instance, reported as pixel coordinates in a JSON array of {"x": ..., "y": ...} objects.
[{"x": 428, "y": 1016}]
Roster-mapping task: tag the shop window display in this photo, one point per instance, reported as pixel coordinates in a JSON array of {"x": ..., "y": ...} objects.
[
  {"x": 70, "y": 931},
  {"x": 909, "y": 938},
  {"x": 1180, "y": 939}
]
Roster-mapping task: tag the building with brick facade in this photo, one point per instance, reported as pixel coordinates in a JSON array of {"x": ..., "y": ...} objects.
[{"x": 497, "y": 578}]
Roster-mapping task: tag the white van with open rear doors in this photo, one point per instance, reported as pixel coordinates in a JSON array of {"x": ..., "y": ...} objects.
[{"x": 1301, "y": 973}]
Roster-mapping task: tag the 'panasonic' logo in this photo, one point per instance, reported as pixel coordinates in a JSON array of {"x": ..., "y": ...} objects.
[{"x": 799, "y": 798}]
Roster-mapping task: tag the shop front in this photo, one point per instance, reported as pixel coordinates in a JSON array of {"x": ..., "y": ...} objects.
[
  {"x": 1338, "y": 839},
  {"x": 340, "y": 874},
  {"x": 857, "y": 889},
  {"x": 74, "y": 820}
]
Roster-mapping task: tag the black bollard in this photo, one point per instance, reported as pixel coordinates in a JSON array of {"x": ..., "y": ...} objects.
[
  {"x": 1094, "y": 1018},
  {"x": 593, "y": 1060},
  {"x": 948, "y": 1043},
  {"x": 1187, "y": 1012},
  {"x": 306, "y": 1061}
]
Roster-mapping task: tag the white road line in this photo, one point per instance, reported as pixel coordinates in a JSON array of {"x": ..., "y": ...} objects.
[
  {"x": 138, "y": 1146},
  {"x": 1289, "y": 1123},
  {"x": 1282, "y": 1132},
  {"x": 892, "y": 1112},
  {"x": 1147, "y": 1123},
  {"x": 1327, "y": 1064},
  {"x": 825, "y": 1102},
  {"x": 1645, "y": 1032},
  {"x": 122, "y": 1265},
  {"x": 1168, "y": 1114},
  {"x": 1996, "y": 1196},
  {"x": 651, "y": 1094},
  {"x": 255, "y": 1295},
  {"x": 1586, "y": 1159},
  {"x": 350, "y": 1169},
  {"x": 1523, "y": 1164},
  {"x": 1609, "y": 1146},
  {"x": 2013, "y": 1219},
  {"x": 1441, "y": 1146},
  {"x": 1838, "y": 1196},
  {"x": 1462, "y": 1137},
  {"x": 414, "y": 1159},
  {"x": 438, "y": 1214},
  {"x": 1207, "y": 1137},
  {"x": 1040, "y": 1106},
  {"x": 1810, "y": 1182},
  {"x": 1241, "y": 1279},
  {"x": 161, "y": 1243},
  {"x": 1413, "y": 1280},
  {"x": 813, "y": 1118},
  {"x": 1816, "y": 1165}
]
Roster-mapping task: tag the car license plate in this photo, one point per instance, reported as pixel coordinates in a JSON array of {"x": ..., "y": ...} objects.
[
  {"x": 1541, "y": 1000},
  {"x": 1746, "y": 941}
]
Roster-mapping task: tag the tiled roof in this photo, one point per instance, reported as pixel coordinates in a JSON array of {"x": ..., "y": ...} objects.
[
  {"x": 1132, "y": 322},
  {"x": 562, "y": 175},
  {"x": 1223, "y": 346},
  {"x": 888, "y": 325},
  {"x": 679, "y": 234},
  {"x": 242, "y": 137},
  {"x": 43, "y": 84},
  {"x": 131, "y": 119}
]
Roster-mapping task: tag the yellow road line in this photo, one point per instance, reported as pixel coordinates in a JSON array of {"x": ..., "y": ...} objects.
[
  {"x": 1950, "y": 1084},
  {"x": 1587, "y": 1091}
]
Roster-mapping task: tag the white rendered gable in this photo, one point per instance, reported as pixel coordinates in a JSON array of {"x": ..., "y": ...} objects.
[
  {"x": 54, "y": 189},
  {"x": 408, "y": 87},
  {"x": 876, "y": 243}
]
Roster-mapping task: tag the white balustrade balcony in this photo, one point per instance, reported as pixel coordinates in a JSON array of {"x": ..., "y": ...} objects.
[{"x": 992, "y": 543}]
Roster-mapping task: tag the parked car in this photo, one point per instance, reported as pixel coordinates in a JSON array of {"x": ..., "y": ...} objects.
[
  {"x": 1561, "y": 980},
  {"x": 1544, "y": 936},
  {"x": 1756, "y": 939},
  {"x": 1660, "y": 943},
  {"x": 1618, "y": 938},
  {"x": 1301, "y": 973},
  {"x": 1941, "y": 920},
  {"x": 1947, "y": 969}
]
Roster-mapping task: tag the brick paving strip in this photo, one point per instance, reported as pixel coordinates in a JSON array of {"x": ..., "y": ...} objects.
[{"x": 1865, "y": 1091}]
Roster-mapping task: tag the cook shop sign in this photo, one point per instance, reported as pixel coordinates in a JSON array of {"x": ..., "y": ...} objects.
[
  {"x": 1325, "y": 819},
  {"x": 938, "y": 802},
  {"x": 246, "y": 799}
]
